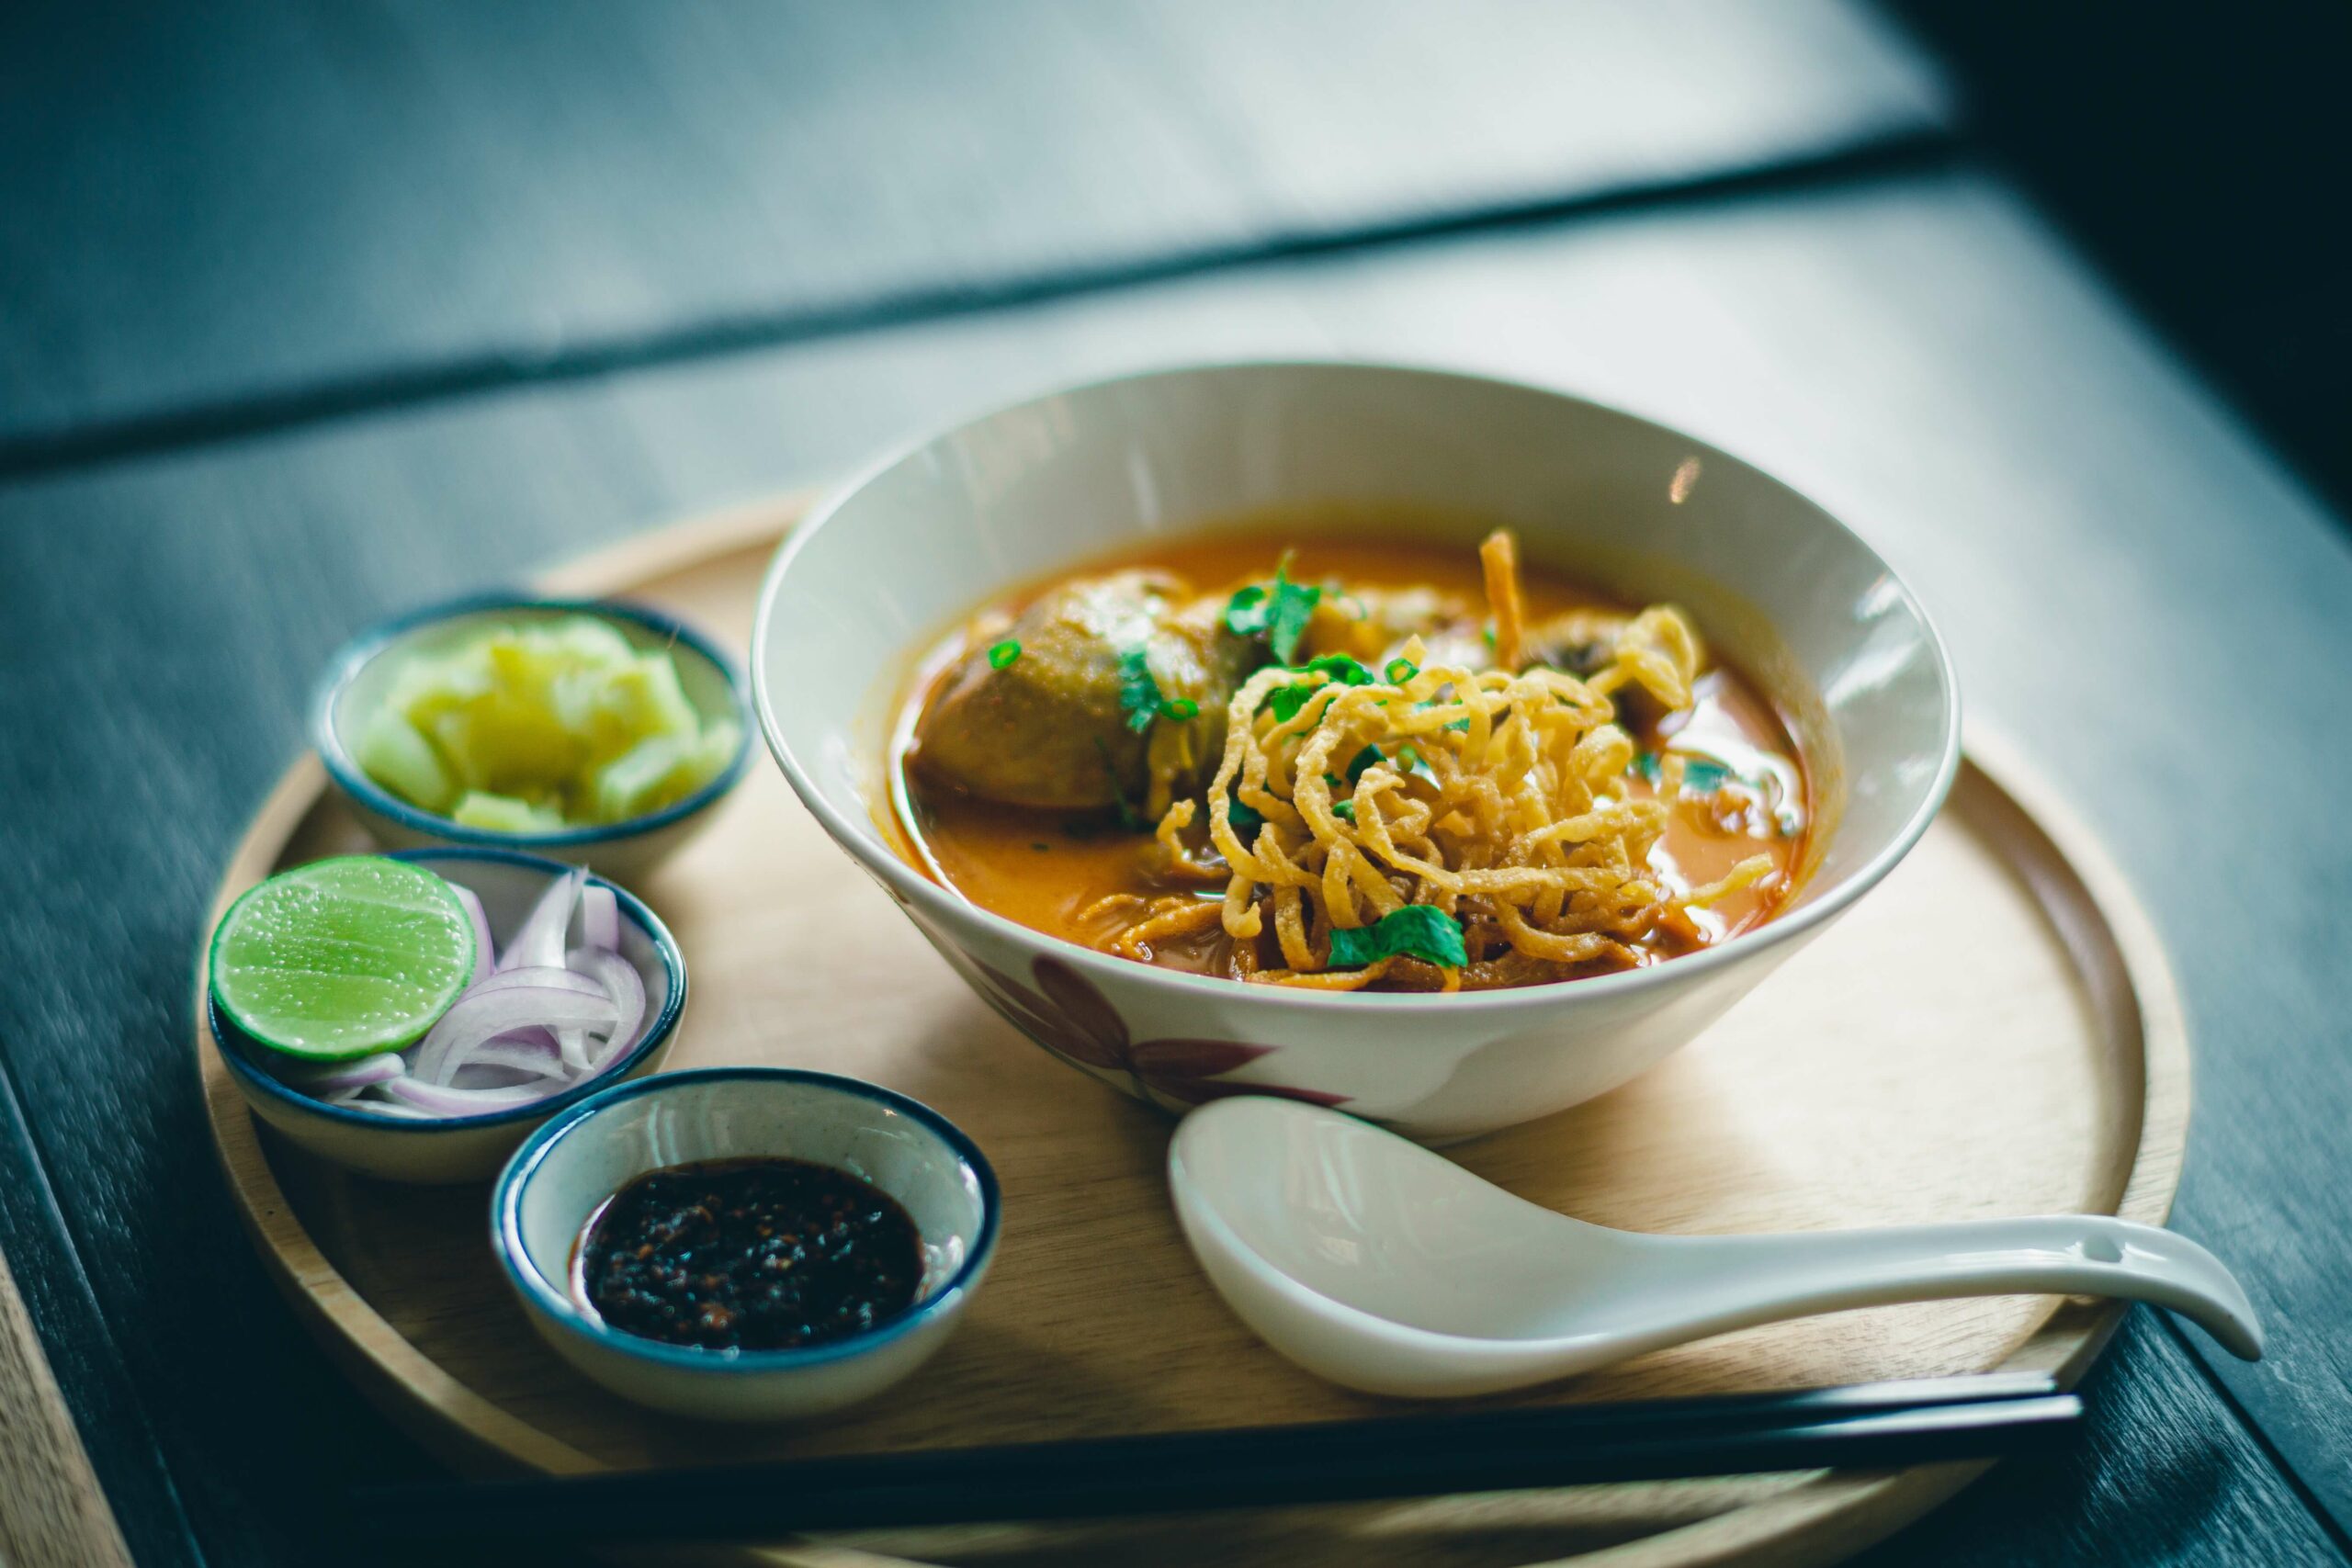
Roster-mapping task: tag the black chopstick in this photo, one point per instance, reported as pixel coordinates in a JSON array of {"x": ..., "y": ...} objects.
[{"x": 1868, "y": 1426}]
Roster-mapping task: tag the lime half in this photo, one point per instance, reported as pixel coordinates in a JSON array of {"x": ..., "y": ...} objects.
[{"x": 342, "y": 957}]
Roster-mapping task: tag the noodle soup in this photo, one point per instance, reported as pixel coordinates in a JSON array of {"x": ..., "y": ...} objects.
[{"x": 1352, "y": 763}]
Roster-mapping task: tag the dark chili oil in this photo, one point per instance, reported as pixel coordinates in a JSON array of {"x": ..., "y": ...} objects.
[{"x": 760, "y": 1254}]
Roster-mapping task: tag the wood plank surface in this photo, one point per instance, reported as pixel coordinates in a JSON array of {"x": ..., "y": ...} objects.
[
  {"x": 51, "y": 1513},
  {"x": 2120, "y": 569},
  {"x": 289, "y": 200}
]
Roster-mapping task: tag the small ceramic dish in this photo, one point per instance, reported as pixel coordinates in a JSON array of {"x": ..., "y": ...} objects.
[
  {"x": 464, "y": 1148},
  {"x": 560, "y": 1178},
  {"x": 1805, "y": 608},
  {"x": 361, "y": 674}
]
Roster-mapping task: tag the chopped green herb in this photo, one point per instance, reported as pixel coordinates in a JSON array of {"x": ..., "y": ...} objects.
[
  {"x": 1287, "y": 700},
  {"x": 1340, "y": 668},
  {"x": 1361, "y": 760},
  {"x": 1003, "y": 654},
  {"x": 1460, "y": 725},
  {"x": 1644, "y": 765},
  {"x": 1345, "y": 810},
  {"x": 1139, "y": 693},
  {"x": 1490, "y": 634},
  {"x": 1400, "y": 671},
  {"x": 1180, "y": 709},
  {"x": 1278, "y": 612},
  {"x": 1414, "y": 762},
  {"x": 1416, "y": 930},
  {"x": 1245, "y": 817}
]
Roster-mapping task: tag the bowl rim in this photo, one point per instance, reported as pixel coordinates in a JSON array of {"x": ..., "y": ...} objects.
[
  {"x": 911, "y": 886},
  {"x": 374, "y": 641},
  {"x": 556, "y": 1305},
  {"x": 234, "y": 1042}
]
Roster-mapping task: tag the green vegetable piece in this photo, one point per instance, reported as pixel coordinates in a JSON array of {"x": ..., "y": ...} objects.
[
  {"x": 1278, "y": 614},
  {"x": 1644, "y": 765},
  {"x": 1287, "y": 700},
  {"x": 1415, "y": 931},
  {"x": 1340, "y": 668},
  {"x": 1245, "y": 819},
  {"x": 1181, "y": 709},
  {"x": 1002, "y": 654},
  {"x": 1400, "y": 671},
  {"x": 1345, "y": 810},
  {"x": 1138, "y": 690},
  {"x": 392, "y": 752},
  {"x": 507, "y": 813},
  {"x": 342, "y": 957},
  {"x": 1361, "y": 760}
]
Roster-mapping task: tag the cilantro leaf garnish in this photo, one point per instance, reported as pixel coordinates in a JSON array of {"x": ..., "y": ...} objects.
[
  {"x": 1287, "y": 700},
  {"x": 1340, "y": 668},
  {"x": 1278, "y": 612},
  {"x": 1244, "y": 818},
  {"x": 1416, "y": 930},
  {"x": 1361, "y": 760},
  {"x": 1003, "y": 654},
  {"x": 1139, "y": 693}
]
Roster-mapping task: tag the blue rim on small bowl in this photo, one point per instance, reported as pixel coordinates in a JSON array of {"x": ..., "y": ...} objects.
[
  {"x": 506, "y": 1235},
  {"x": 235, "y": 1044},
  {"x": 353, "y": 780}
]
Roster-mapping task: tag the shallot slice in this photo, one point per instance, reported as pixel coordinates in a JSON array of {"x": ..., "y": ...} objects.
[
  {"x": 339, "y": 1076},
  {"x": 626, "y": 986},
  {"x": 539, "y": 943},
  {"x": 479, "y": 1014},
  {"x": 600, "y": 918},
  {"x": 485, "y": 954},
  {"x": 440, "y": 1099}
]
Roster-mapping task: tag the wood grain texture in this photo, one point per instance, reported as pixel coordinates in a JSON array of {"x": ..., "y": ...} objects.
[
  {"x": 1918, "y": 355},
  {"x": 52, "y": 1514},
  {"x": 1871, "y": 1081},
  {"x": 288, "y": 199}
]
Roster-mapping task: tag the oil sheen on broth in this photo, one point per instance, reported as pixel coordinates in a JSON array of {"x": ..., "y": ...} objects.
[{"x": 1030, "y": 765}]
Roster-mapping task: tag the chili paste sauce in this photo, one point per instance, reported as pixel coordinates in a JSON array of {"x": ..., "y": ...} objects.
[{"x": 761, "y": 1254}]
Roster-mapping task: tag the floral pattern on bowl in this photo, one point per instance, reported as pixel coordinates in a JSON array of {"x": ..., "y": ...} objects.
[{"x": 1071, "y": 1017}]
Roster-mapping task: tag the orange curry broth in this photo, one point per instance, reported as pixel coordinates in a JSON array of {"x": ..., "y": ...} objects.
[{"x": 1041, "y": 868}]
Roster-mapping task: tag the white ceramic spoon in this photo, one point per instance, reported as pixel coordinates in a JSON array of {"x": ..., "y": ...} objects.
[{"x": 1372, "y": 1262}]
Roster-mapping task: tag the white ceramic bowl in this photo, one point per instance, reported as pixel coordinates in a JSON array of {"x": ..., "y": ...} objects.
[
  {"x": 361, "y": 675},
  {"x": 569, "y": 1167},
  {"x": 888, "y": 563},
  {"x": 464, "y": 1148}
]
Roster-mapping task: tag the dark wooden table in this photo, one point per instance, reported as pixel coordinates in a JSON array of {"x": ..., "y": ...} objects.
[{"x": 314, "y": 310}]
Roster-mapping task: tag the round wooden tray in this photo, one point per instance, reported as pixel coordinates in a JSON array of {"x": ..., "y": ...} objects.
[{"x": 1995, "y": 1034}]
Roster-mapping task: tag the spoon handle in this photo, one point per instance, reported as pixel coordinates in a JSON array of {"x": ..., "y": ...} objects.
[{"x": 1741, "y": 1281}]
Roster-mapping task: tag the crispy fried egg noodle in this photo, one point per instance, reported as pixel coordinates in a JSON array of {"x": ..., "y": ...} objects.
[{"x": 1498, "y": 799}]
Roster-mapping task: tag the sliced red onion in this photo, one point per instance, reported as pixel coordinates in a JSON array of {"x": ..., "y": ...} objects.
[
  {"x": 626, "y": 986},
  {"x": 481, "y": 1014},
  {"x": 555, "y": 978},
  {"x": 539, "y": 942},
  {"x": 485, "y": 954},
  {"x": 523, "y": 1050},
  {"x": 332, "y": 1077},
  {"x": 600, "y": 918},
  {"x": 571, "y": 1049},
  {"x": 440, "y": 1099}
]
